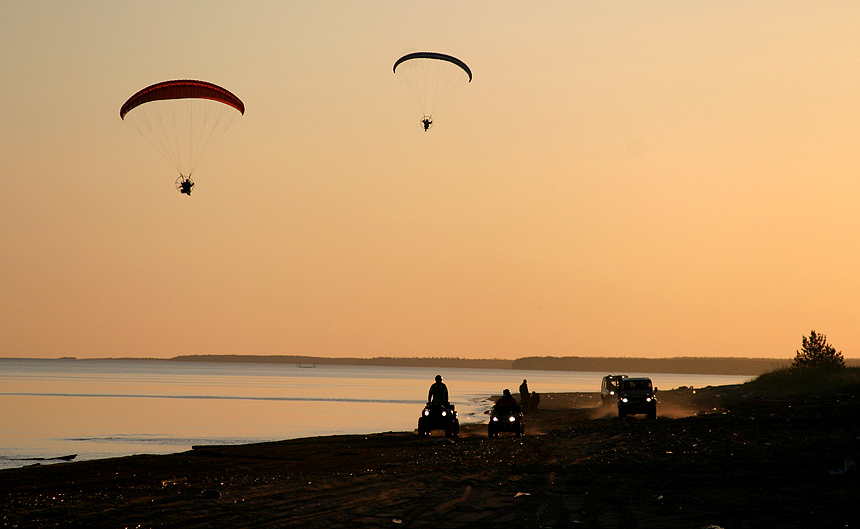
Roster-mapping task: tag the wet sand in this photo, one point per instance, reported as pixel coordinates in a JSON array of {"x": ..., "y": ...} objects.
[{"x": 716, "y": 457}]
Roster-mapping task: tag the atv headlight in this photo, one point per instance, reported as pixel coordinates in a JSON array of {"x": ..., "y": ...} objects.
[
  {"x": 623, "y": 399},
  {"x": 495, "y": 419},
  {"x": 426, "y": 413},
  {"x": 612, "y": 393},
  {"x": 648, "y": 399},
  {"x": 512, "y": 418},
  {"x": 444, "y": 413}
]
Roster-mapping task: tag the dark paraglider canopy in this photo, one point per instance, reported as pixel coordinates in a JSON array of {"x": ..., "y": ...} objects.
[
  {"x": 182, "y": 89},
  {"x": 431, "y": 77},
  {"x": 434, "y": 56}
]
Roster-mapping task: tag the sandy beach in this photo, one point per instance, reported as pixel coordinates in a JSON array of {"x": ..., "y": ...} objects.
[{"x": 715, "y": 457}]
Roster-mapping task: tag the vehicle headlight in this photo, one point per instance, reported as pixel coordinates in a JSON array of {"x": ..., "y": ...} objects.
[
  {"x": 623, "y": 399},
  {"x": 444, "y": 413},
  {"x": 495, "y": 419},
  {"x": 512, "y": 418},
  {"x": 426, "y": 412},
  {"x": 648, "y": 399},
  {"x": 612, "y": 393}
]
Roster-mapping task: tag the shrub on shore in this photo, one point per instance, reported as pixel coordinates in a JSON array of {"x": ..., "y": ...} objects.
[{"x": 817, "y": 354}]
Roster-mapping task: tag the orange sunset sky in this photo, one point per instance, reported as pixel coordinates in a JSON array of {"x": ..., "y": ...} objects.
[{"x": 656, "y": 179}]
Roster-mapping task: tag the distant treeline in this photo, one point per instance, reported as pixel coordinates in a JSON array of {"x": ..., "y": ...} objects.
[
  {"x": 378, "y": 361},
  {"x": 684, "y": 365}
]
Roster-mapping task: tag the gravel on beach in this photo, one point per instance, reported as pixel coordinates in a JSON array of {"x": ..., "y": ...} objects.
[{"x": 714, "y": 458}]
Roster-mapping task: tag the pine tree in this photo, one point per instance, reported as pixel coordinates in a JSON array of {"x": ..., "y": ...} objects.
[{"x": 816, "y": 353}]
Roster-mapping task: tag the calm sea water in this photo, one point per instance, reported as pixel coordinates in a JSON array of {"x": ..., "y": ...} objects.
[{"x": 101, "y": 408}]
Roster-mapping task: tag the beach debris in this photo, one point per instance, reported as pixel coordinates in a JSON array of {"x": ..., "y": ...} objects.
[
  {"x": 173, "y": 481},
  {"x": 58, "y": 458},
  {"x": 518, "y": 494},
  {"x": 848, "y": 467},
  {"x": 397, "y": 520},
  {"x": 210, "y": 494}
]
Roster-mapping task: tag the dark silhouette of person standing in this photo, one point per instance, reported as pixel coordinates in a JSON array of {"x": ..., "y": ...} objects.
[
  {"x": 438, "y": 392},
  {"x": 534, "y": 401},
  {"x": 524, "y": 395}
]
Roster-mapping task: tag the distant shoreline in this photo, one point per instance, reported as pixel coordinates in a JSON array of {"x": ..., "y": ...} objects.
[{"x": 622, "y": 365}]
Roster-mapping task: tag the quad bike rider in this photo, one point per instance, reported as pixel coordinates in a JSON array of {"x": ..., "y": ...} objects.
[
  {"x": 506, "y": 416},
  {"x": 438, "y": 413}
]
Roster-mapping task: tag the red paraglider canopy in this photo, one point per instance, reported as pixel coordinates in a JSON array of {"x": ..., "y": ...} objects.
[{"x": 182, "y": 89}]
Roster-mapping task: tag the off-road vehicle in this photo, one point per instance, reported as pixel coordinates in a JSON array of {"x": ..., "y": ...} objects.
[
  {"x": 505, "y": 421},
  {"x": 439, "y": 417},
  {"x": 608, "y": 389},
  {"x": 636, "y": 395}
]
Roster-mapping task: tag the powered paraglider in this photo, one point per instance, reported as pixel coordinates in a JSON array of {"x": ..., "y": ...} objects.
[
  {"x": 431, "y": 77},
  {"x": 181, "y": 119}
]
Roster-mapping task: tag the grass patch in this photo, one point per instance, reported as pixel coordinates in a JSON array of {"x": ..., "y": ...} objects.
[{"x": 806, "y": 381}]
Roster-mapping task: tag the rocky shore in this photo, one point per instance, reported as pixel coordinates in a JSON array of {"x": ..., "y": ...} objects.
[{"x": 718, "y": 457}]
